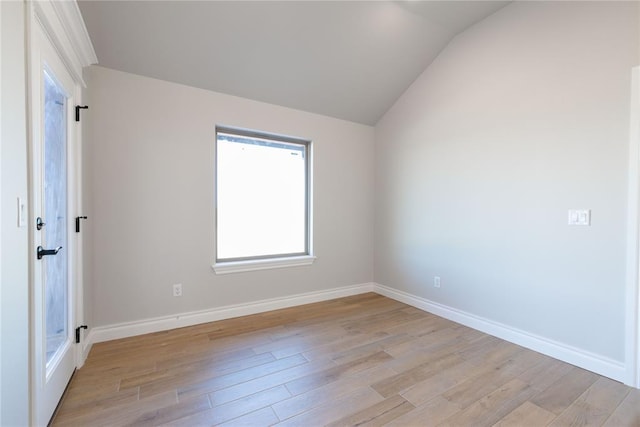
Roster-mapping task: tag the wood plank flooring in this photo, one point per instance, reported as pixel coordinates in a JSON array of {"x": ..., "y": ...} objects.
[{"x": 362, "y": 360}]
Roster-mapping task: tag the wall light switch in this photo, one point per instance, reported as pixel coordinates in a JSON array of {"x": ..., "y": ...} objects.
[
  {"x": 580, "y": 217},
  {"x": 22, "y": 212}
]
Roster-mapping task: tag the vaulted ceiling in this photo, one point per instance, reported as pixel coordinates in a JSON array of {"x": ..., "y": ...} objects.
[{"x": 346, "y": 59}]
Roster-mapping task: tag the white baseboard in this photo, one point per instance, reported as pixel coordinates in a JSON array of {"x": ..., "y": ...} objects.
[
  {"x": 146, "y": 326},
  {"x": 575, "y": 356},
  {"x": 87, "y": 343}
]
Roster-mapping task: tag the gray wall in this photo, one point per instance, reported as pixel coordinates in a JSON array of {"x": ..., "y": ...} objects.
[
  {"x": 14, "y": 305},
  {"x": 150, "y": 146},
  {"x": 520, "y": 118}
]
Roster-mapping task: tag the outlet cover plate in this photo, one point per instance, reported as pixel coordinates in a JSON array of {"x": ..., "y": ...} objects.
[{"x": 177, "y": 290}]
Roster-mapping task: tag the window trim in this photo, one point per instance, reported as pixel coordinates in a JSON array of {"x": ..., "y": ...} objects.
[
  {"x": 262, "y": 264},
  {"x": 240, "y": 264}
]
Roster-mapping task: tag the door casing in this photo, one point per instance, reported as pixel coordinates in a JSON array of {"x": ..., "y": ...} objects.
[
  {"x": 632, "y": 333},
  {"x": 43, "y": 17}
]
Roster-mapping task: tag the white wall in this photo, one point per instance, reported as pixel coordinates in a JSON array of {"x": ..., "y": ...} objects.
[
  {"x": 14, "y": 304},
  {"x": 520, "y": 118},
  {"x": 151, "y": 163}
]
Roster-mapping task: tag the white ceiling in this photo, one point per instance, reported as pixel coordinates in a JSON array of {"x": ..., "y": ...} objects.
[{"x": 346, "y": 59}]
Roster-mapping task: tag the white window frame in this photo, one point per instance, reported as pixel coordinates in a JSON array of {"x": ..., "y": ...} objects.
[{"x": 225, "y": 266}]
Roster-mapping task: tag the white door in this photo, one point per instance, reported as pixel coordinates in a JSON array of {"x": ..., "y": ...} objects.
[{"x": 52, "y": 106}]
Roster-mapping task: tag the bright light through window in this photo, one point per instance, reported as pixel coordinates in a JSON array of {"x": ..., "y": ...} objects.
[{"x": 262, "y": 196}]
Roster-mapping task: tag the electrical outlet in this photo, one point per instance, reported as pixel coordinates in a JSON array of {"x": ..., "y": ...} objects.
[
  {"x": 177, "y": 290},
  {"x": 436, "y": 281}
]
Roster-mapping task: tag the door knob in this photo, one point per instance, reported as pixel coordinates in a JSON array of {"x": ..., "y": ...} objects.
[
  {"x": 44, "y": 252},
  {"x": 40, "y": 223}
]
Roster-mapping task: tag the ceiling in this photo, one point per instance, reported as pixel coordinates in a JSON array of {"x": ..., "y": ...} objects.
[{"x": 346, "y": 59}]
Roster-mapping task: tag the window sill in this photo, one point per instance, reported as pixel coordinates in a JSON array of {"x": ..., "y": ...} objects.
[{"x": 262, "y": 264}]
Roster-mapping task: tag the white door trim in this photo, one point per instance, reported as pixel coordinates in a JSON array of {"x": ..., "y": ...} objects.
[
  {"x": 78, "y": 237},
  {"x": 632, "y": 333},
  {"x": 62, "y": 24},
  {"x": 49, "y": 379},
  {"x": 0, "y": 219}
]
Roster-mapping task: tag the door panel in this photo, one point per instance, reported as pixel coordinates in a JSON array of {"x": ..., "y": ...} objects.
[{"x": 52, "y": 100}]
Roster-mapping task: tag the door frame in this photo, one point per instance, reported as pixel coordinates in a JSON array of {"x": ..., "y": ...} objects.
[
  {"x": 0, "y": 217},
  {"x": 632, "y": 333},
  {"x": 49, "y": 382},
  {"x": 62, "y": 24}
]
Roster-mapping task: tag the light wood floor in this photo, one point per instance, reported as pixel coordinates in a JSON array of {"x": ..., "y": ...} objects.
[{"x": 362, "y": 360}]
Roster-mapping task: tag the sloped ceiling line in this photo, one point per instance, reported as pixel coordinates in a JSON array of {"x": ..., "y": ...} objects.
[{"x": 344, "y": 59}]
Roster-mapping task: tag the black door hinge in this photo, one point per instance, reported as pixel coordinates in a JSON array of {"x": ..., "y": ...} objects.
[
  {"x": 78, "y": 108},
  {"x": 78, "y": 332},
  {"x": 78, "y": 218}
]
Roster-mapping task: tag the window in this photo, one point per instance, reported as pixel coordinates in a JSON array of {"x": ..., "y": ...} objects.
[{"x": 262, "y": 201}]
